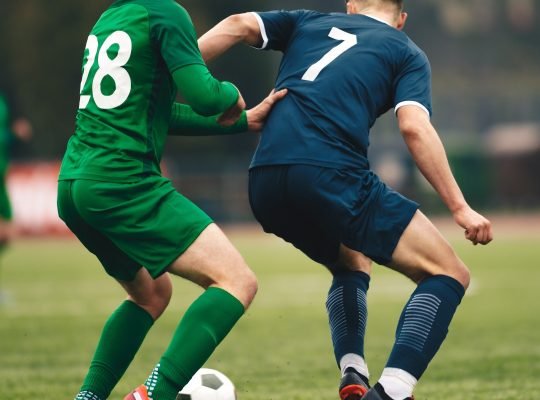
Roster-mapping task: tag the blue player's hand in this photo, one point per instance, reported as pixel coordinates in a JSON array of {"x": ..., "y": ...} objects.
[
  {"x": 256, "y": 116},
  {"x": 477, "y": 228}
]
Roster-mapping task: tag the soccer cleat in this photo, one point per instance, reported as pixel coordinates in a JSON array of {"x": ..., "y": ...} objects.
[
  {"x": 140, "y": 393},
  {"x": 353, "y": 385},
  {"x": 377, "y": 393}
]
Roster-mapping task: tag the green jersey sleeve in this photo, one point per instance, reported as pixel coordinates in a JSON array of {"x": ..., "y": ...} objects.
[
  {"x": 175, "y": 34},
  {"x": 173, "y": 31},
  {"x": 205, "y": 94},
  {"x": 186, "y": 122}
]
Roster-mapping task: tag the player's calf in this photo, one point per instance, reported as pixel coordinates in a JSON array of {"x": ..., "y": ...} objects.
[{"x": 152, "y": 295}]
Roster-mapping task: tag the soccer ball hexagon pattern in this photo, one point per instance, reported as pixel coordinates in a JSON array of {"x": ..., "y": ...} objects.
[{"x": 208, "y": 384}]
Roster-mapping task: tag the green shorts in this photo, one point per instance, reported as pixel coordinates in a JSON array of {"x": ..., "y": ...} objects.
[{"x": 131, "y": 225}]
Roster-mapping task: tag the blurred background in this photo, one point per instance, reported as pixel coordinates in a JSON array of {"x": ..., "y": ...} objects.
[
  {"x": 486, "y": 97},
  {"x": 485, "y": 56}
]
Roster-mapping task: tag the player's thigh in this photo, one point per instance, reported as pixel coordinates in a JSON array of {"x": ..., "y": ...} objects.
[
  {"x": 148, "y": 219},
  {"x": 351, "y": 260},
  {"x": 212, "y": 260},
  {"x": 422, "y": 251}
]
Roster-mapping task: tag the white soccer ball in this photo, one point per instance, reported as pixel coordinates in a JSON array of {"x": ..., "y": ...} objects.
[{"x": 208, "y": 384}]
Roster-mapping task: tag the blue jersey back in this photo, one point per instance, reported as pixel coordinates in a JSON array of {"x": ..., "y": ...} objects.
[{"x": 342, "y": 72}]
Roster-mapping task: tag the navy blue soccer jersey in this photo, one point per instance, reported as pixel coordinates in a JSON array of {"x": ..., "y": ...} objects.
[{"x": 342, "y": 72}]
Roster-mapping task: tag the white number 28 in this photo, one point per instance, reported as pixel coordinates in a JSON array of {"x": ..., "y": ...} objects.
[
  {"x": 348, "y": 40},
  {"x": 111, "y": 67}
]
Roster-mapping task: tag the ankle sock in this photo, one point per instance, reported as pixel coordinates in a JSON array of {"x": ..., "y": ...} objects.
[
  {"x": 86, "y": 395},
  {"x": 355, "y": 362},
  {"x": 397, "y": 384}
]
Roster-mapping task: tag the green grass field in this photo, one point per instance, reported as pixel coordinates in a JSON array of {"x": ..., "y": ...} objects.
[{"x": 281, "y": 348}]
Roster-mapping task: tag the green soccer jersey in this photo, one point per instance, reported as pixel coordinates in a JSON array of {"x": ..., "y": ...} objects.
[
  {"x": 127, "y": 90},
  {"x": 5, "y": 134}
]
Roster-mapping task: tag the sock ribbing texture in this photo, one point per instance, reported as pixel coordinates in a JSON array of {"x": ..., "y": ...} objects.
[
  {"x": 424, "y": 323},
  {"x": 85, "y": 395},
  {"x": 347, "y": 315}
]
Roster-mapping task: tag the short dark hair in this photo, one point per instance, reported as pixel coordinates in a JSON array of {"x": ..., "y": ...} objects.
[{"x": 397, "y": 3}]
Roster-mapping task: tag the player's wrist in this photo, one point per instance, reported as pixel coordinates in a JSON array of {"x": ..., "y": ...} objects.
[
  {"x": 233, "y": 92},
  {"x": 243, "y": 122},
  {"x": 458, "y": 207}
]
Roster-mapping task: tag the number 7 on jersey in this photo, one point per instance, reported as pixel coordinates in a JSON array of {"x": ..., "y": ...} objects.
[{"x": 348, "y": 41}]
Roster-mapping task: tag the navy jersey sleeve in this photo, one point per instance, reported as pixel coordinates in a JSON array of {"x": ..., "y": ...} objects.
[
  {"x": 277, "y": 27},
  {"x": 413, "y": 83}
]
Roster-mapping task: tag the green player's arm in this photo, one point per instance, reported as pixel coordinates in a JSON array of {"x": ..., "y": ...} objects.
[
  {"x": 186, "y": 122},
  {"x": 238, "y": 28},
  {"x": 205, "y": 94}
]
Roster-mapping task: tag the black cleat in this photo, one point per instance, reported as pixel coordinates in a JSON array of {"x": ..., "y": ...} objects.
[
  {"x": 353, "y": 385},
  {"x": 377, "y": 393}
]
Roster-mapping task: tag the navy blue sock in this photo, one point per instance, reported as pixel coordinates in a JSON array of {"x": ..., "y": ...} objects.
[
  {"x": 424, "y": 322},
  {"x": 347, "y": 313}
]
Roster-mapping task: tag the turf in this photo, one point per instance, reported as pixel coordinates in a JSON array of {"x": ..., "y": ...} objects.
[{"x": 59, "y": 299}]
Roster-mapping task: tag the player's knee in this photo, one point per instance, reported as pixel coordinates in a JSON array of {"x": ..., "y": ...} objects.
[
  {"x": 452, "y": 266},
  {"x": 156, "y": 302},
  {"x": 154, "y": 306},
  {"x": 158, "y": 306},
  {"x": 245, "y": 286},
  {"x": 458, "y": 270},
  {"x": 251, "y": 287},
  {"x": 163, "y": 297},
  {"x": 462, "y": 274}
]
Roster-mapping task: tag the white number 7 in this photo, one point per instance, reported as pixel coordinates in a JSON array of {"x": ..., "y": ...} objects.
[{"x": 349, "y": 40}]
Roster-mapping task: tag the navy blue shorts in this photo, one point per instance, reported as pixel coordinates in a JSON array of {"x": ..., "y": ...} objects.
[{"x": 317, "y": 208}]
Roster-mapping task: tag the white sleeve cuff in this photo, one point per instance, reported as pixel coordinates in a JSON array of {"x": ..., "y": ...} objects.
[
  {"x": 411, "y": 103},
  {"x": 263, "y": 31}
]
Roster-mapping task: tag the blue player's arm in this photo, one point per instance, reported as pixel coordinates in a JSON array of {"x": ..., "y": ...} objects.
[
  {"x": 428, "y": 152},
  {"x": 239, "y": 28}
]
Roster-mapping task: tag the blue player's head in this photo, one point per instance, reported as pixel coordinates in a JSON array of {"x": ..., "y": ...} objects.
[{"x": 392, "y": 9}]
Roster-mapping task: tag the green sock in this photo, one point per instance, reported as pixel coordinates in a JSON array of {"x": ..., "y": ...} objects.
[
  {"x": 121, "y": 337},
  {"x": 204, "y": 325}
]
